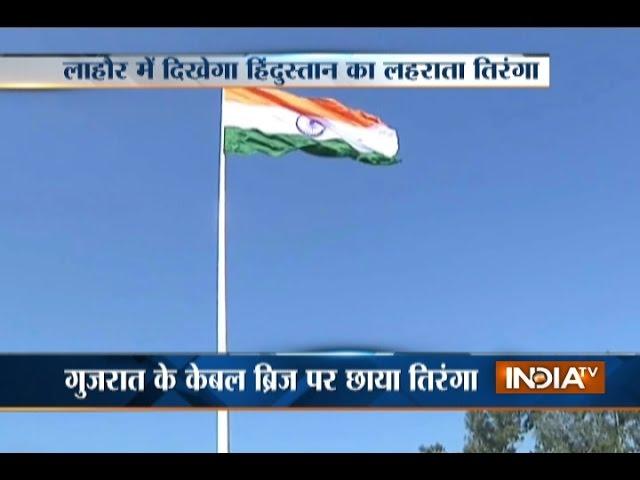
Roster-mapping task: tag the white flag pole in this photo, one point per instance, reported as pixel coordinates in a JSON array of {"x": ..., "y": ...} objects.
[{"x": 223, "y": 445}]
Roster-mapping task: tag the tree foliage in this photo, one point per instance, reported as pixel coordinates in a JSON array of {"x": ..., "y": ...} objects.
[
  {"x": 552, "y": 432},
  {"x": 434, "y": 448},
  {"x": 586, "y": 432},
  {"x": 493, "y": 432}
]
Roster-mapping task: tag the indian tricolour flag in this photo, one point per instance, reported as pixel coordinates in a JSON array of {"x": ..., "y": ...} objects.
[{"x": 275, "y": 122}]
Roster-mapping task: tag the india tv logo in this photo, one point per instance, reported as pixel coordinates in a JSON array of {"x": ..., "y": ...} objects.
[{"x": 559, "y": 377}]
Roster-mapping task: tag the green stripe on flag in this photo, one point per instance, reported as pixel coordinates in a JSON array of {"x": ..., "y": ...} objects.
[{"x": 238, "y": 140}]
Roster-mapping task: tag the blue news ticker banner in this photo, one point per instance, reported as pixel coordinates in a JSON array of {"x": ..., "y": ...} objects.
[{"x": 332, "y": 380}]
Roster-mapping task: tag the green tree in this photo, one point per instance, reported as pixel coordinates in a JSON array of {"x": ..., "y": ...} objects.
[
  {"x": 631, "y": 423},
  {"x": 586, "y": 432},
  {"x": 553, "y": 432},
  {"x": 494, "y": 432},
  {"x": 433, "y": 448}
]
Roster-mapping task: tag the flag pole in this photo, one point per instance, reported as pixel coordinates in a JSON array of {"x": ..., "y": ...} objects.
[{"x": 222, "y": 424}]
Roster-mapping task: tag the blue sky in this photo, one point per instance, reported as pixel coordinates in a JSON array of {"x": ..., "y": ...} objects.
[{"x": 511, "y": 225}]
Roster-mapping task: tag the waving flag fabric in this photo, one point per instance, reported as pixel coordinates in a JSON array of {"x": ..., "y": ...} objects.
[{"x": 276, "y": 122}]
